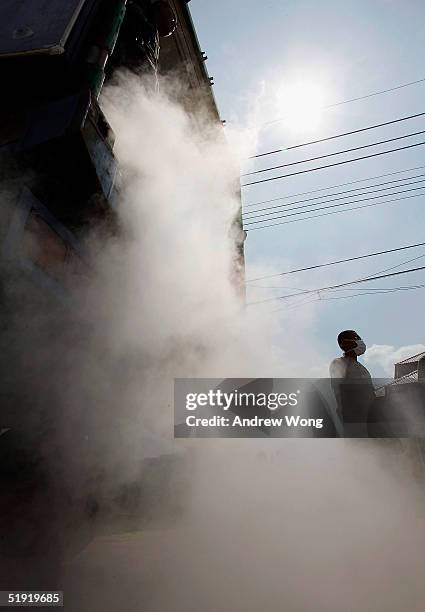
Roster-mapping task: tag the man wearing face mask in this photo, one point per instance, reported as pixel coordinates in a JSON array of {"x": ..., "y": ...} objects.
[{"x": 352, "y": 384}]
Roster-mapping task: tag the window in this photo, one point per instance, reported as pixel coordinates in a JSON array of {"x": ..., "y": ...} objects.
[{"x": 44, "y": 247}]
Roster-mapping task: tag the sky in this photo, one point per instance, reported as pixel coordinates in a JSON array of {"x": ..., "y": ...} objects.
[{"x": 290, "y": 58}]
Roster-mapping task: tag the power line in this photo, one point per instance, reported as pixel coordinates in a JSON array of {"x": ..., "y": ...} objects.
[
  {"x": 345, "y": 297},
  {"x": 257, "y": 218},
  {"x": 354, "y": 282},
  {"x": 373, "y": 292},
  {"x": 365, "y": 129},
  {"x": 289, "y": 295},
  {"x": 370, "y": 95},
  {"x": 334, "y": 212},
  {"x": 309, "y": 159},
  {"x": 370, "y": 178},
  {"x": 399, "y": 265},
  {"x": 402, "y": 263},
  {"x": 340, "y": 163},
  {"x": 253, "y": 212},
  {"x": 303, "y": 212}
]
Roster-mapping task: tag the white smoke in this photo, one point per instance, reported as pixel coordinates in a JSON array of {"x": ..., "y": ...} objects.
[
  {"x": 178, "y": 199},
  {"x": 296, "y": 528},
  {"x": 297, "y": 525}
]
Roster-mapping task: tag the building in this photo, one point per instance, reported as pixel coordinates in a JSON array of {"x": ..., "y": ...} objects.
[
  {"x": 410, "y": 369},
  {"x": 400, "y": 407},
  {"x": 55, "y": 56},
  {"x": 57, "y": 185}
]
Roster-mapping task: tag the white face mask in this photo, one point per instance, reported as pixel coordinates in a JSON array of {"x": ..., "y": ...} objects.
[{"x": 360, "y": 347}]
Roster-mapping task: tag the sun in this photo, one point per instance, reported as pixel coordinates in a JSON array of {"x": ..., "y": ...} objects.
[{"x": 300, "y": 104}]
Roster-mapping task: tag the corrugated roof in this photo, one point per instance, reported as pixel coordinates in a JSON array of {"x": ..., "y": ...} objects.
[
  {"x": 412, "y": 359},
  {"x": 408, "y": 378},
  {"x": 403, "y": 380}
]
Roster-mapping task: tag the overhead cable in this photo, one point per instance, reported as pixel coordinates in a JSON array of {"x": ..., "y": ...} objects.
[
  {"x": 311, "y": 142},
  {"x": 253, "y": 213},
  {"x": 370, "y": 95},
  {"x": 370, "y": 178},
  {"x": 338, "y": 261},
  {"x": 334, "y": 212},
  {"x": 353, "y": 282},
  {"x": 309, "y": 159},
  {"x": 345, "y": 297},
  {"x": 254, "y": 221},
  {"x": 340, "y": 163}
]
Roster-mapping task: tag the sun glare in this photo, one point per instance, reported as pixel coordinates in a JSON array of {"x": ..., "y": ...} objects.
[{"x": 301, "y": 106}]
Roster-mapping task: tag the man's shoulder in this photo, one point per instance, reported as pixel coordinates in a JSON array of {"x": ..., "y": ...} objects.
[
  {"x": 337, "y": 367},
  {"x": 337, "y": 360}
]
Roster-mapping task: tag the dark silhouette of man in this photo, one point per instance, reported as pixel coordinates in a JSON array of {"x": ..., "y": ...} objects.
[{"x": 352, "y": 384}]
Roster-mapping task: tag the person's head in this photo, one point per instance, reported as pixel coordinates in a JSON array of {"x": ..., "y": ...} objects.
[{"x": 351, "y": 343}]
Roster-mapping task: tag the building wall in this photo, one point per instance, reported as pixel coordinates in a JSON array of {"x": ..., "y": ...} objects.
[
  {"x": 181, "y": 54},
  {"x": 402, "y": 369}
]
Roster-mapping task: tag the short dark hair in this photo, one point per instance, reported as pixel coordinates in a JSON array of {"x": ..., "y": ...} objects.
[{"x": 347, "y": 334}]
